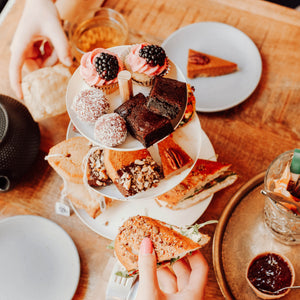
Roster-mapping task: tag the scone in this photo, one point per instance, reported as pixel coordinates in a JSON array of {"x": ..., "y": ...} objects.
[
  {"x": 99, "y": 68},
  {"x": 204, "y": 65},
  {"x": 44, "y": 91},
  {"x": 131, "y": 171},
  {"x": 66, "y": 158}
]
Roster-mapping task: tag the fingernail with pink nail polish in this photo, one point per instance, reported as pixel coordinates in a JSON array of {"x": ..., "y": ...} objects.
[{"x": 146, "y": 246}]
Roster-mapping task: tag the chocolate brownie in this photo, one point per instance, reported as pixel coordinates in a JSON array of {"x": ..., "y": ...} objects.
[
  {"x": 144, "y": 125},
  {"x": 167, "y": 97}
]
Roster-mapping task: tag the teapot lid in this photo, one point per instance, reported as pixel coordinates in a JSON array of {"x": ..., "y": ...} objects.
[{"x": 3, "y": 123}]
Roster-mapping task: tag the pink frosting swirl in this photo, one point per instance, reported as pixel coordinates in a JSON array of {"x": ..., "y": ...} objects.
[
  {"x": 88, "y": 70},
  {"x": 139, "y": 64}
]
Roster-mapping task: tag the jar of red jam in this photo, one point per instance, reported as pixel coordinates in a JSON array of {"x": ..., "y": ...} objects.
[{"x": 268, "y": 272}]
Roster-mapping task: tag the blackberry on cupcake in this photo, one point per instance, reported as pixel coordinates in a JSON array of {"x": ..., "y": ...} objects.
[
  {"x": 99, "y": 68},
  {"x": 145, "y": 62}
]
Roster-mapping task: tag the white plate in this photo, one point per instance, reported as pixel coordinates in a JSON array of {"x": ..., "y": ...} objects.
[
  {"x": 189, "y": 139},
  {"x": 108, "y": 222},
  {"x": 76, "y": 84},
  {"x": 38, "y": 260},
  {"x": 222, "y": 40}
]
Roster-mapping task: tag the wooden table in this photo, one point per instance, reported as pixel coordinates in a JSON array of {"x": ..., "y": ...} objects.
[{"x": 249, "y": 135}]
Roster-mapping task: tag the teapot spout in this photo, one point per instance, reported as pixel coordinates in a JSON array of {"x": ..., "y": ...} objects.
[{"x": 4, "y": 183}]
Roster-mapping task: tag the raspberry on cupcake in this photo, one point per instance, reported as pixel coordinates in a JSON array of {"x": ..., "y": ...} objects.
[
  {"x": 145, "y": 61},
  {"x": 90, "y": 104},
  {"x": 99, "y": 68}
]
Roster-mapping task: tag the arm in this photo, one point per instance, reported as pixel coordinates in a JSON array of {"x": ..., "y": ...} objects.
[{"x": 39, "y": 26}]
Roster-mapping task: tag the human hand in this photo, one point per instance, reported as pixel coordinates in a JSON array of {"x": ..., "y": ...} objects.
[
  {"x": 186, "y": 283},
  {"x": 38, "y": 41}
]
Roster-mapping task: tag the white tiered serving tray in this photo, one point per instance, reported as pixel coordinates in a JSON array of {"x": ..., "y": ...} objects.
[
  {"x": 109, "y": 221},
  {"x": 76, "y": 84}
]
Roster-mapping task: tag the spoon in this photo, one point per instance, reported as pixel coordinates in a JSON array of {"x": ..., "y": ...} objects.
[
  {"x": 280, "y": 198},
  {"x": 282, "y": 289}
]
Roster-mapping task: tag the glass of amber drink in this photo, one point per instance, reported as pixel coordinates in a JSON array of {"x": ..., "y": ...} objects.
[{"x": 105, "y": 29}]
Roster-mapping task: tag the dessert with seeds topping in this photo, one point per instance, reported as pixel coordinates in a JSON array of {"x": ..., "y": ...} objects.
[
  {"x": 95, "y": 170},
  {"x": 132, "y": 171},
  {"x": 99, "y": 68},
  {"x": 145, "y": 62}
]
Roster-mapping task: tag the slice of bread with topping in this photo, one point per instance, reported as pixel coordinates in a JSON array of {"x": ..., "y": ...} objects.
[{"x": 168, "y": 243}]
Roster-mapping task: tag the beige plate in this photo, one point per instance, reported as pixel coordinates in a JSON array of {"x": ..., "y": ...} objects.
[{"x": 240, "y": 235}]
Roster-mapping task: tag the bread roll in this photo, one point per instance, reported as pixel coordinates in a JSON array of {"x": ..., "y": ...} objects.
[{"x": 44, "y": 91}]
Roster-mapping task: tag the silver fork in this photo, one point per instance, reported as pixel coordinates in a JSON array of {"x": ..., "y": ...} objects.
[{"x": 118, "y": 287}]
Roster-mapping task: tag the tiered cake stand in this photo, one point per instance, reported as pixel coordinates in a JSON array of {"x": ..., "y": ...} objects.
[{"x": 190, "y": 137}]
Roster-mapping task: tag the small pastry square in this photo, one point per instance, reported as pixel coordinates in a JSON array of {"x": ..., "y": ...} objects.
[{"x": 167, "y": 97}]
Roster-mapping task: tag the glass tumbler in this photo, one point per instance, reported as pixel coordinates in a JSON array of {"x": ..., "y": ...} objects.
[
  {"x": 105, "y": 28},
  {"x": 282, "y": 222}
]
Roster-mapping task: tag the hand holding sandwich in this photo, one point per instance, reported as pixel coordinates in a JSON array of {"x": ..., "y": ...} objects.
[{"x": 187, "y": 282}]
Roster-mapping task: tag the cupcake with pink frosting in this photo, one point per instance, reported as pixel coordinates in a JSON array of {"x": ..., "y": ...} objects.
[
  {"x": 100, "y": 68},
  {"x": 145, "y": 62}
]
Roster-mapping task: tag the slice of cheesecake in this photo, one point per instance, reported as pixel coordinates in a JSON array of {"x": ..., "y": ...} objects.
[{"x": 205, "y": 65}]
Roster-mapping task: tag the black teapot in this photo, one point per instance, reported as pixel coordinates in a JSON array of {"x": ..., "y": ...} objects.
[{"x": 19, "y": 141}]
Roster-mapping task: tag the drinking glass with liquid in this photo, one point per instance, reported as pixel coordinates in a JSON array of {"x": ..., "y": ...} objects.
[
  {"x": 105, "y": 29},
  {"x": 283, "y": 221}
]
